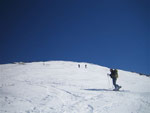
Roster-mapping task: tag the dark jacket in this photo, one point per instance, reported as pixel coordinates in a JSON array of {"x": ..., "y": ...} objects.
[{"x": 114, "y": 73}]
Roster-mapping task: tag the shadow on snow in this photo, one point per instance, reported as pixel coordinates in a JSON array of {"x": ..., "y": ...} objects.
[
  {"x": 106, "y": 90},
  {"x": 98, "y": 89}
]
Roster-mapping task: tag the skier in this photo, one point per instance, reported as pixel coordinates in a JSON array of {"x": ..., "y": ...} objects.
[
  {"x": 85, "y": 66},
  {"x": 114, "y": 76},
  {"x": 78, "y": 65}
]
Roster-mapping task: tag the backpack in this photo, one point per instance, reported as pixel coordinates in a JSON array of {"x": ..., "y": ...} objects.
[{"x": 114, "y": 73}]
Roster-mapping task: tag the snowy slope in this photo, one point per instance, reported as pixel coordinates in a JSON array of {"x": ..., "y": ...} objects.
[{"x": 62, "y": 87}]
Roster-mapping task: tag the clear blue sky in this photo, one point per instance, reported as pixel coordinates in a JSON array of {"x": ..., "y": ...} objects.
[{"x": 111, "y": 33}]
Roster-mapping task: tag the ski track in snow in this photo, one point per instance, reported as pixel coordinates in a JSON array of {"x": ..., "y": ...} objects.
[{"x": 62, "y": 87}]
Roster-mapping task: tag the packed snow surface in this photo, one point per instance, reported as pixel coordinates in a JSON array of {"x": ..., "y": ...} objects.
[{"x": 63, "y": 87}]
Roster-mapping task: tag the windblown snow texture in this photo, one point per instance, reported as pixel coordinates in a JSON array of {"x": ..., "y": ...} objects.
[{"x": 62, "y": 87}]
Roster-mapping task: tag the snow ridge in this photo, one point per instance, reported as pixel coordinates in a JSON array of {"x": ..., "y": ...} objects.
[{"x": 64, "y": 87}]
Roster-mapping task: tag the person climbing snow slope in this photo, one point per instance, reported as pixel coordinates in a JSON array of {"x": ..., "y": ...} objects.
[{"x": 114, "y": 76}]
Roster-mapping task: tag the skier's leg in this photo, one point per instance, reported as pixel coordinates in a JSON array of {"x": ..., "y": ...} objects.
[
  {"x": 114, "y": 83},
  {"x": 118, "y": 87}
]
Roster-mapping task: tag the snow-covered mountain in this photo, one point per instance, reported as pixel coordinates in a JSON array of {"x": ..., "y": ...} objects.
[{"x": 63, "y": 87}]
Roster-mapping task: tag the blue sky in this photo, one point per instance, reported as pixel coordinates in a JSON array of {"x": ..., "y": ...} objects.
[{"x": 111, "y": 33}]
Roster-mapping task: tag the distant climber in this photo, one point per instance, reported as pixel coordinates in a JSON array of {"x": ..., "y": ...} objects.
[
  {"x": 114, "y": 76},
  {"x": 78, "y": 65},
  {"x": 85, "y": 65}
]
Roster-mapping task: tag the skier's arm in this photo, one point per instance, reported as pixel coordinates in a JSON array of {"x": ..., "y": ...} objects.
[{"x": 108, "y": 74}]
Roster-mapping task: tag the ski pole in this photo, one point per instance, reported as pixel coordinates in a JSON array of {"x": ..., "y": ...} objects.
[{"x": 108, "y": 81}]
